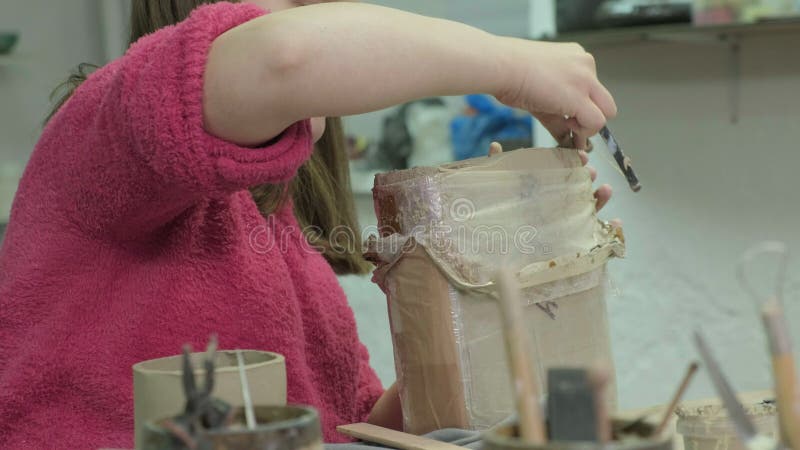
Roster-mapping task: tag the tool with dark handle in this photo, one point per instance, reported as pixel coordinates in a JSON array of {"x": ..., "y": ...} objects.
[
  {"x": 571, "y": 409},
  {"x": 623, "y": 161}
]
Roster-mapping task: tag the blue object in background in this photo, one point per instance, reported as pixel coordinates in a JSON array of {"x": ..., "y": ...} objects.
[{"x": 472, "y": 135}]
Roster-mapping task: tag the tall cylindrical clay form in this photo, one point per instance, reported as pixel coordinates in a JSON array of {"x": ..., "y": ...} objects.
[{"x": 444, "y": 232}]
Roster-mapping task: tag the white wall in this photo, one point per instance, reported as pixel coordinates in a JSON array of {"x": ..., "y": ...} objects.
[{"x": 711, "y": 188}]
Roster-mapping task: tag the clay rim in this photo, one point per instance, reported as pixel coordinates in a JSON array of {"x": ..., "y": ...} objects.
[
  {"x": 300, "y": 431},
  {"x": 494, "y": 441},
  {"x": 273, "y": 358},
  {"x": 306, "y": 425}
]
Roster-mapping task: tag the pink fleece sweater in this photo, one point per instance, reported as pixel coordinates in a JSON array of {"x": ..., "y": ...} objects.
[{"x": 133, "y": 232}]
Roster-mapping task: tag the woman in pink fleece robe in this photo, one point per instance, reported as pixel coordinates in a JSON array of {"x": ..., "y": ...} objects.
[{"x": 134, "y": 229}]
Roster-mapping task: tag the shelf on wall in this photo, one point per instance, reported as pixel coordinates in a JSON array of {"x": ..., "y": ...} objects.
[
  {"x": 729, "y": 35},
  {"x": 680, "y": 33}
]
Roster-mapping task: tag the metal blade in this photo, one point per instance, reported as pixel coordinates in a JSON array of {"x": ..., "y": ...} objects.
[
  {"x": 623, "y": 161},
  {"x": 744, "y": 428}
]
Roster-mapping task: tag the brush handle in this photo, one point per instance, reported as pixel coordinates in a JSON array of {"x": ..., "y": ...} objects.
[
  {"x": 623, "y": 161},
  {"x": 531, "y": 425},
  {"x": 599, "y": 378},
  {"x": 784, "y": 372},
  {"x": 249, "y": 413}
]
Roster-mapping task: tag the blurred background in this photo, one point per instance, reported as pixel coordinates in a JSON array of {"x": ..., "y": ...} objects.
[{"x": 709, "y": 102}]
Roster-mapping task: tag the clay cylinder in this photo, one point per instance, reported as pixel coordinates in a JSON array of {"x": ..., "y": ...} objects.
[{"x": 443, "y": 232}]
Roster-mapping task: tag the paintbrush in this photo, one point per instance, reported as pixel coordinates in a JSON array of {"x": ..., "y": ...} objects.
[
  {"x": 393, "y": 439},
  {"x": 783, "y": 365},
  {"x": 623, "y": 161},
  {"x": 531, "y": 425},
  {"x": 249, "y": 413}
]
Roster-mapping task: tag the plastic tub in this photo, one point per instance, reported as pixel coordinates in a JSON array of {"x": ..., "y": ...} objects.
[
  {"x": 507, "y": 438},
  {"x": 158, "y": 387},
  {"x": 707, "y": 427},
  {"x": 279, "y": 428}
]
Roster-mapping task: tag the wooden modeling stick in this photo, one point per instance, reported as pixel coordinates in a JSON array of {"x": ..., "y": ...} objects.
[
  {"x": 394, "y": 439},
  {"x": 599, "y": 377},
  {"x": 676, "y": 399},
  {"x": 531, "y": 425},
  {"x": 784, "y": 372}
]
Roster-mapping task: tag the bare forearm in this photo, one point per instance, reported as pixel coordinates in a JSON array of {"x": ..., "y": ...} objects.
[
  {"x": 343, "y": 58},
  {"x": 358, "y": 58},
  {"x": 387, "y": 412}
]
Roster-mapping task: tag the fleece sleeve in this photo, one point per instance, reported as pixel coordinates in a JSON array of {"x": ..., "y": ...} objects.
[
  {"x": 162, "y": 107},
  {"x": 369, "y": 387},
  {"x": 129, "y": 150}
]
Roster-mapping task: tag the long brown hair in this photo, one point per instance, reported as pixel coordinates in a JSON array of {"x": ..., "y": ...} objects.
[{"x": 321, "y": 195}]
